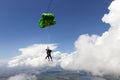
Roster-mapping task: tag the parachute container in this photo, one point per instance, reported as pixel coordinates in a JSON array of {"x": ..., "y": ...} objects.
[{"x": 47, "y": 19}]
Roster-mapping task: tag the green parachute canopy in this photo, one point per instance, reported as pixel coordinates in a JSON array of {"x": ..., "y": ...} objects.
[{"x": 47, "y": 19}]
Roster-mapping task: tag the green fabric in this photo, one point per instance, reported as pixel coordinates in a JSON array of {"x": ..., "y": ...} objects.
[{"x": 47, "y": 20}]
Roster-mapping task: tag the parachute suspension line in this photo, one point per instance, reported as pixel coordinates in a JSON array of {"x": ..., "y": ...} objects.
[
  {"x": 53, "y": 8},
  {"x": 48, "y": 35},
  {"x": 48, "y": 30},
  {"x": 49, "y": 5}
]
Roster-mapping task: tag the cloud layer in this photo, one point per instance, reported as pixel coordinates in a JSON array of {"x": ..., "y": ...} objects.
[
  {"x": 23, "y": 77},
  {"x": 33, "y": 56},
  {"x": 99, "y": 54}
]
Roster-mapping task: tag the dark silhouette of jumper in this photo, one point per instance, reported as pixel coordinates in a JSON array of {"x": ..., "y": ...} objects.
[{"x": 48, "y": 51}]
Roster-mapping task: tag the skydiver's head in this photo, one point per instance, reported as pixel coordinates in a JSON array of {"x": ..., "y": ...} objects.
[{"x": 48, "y": 47}]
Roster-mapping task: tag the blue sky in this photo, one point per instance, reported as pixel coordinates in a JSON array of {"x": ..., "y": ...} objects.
[{"x": 19, "y": 23}]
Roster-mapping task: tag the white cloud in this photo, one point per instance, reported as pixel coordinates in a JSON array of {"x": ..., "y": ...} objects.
[
  {"x": 99, "y": 54},
  {"x": 113, "y": 17},
  {"x": 23, "y": 77},
  {"x": 34, "y": 56}
]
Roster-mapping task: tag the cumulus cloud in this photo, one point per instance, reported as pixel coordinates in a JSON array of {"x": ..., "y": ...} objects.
[
  {"x": 96, "y": 54},
  {"x": 23, "y": 77},
  {"x": 99, "y": 54},
  {"x": 33, "y": 56}
]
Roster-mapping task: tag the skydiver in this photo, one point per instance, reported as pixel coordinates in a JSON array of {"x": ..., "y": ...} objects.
[{"x": 48, "y": 51}]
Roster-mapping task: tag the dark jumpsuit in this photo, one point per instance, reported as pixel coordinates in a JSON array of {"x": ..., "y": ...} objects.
[{"x": 48, "y": 51}]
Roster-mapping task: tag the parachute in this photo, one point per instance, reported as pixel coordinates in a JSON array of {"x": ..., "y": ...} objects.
[{"x": 47, "y": 19}]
